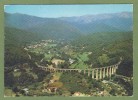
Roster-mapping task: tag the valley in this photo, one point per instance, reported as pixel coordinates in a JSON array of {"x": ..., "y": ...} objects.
[
  {"x": 90, "y": 55},
  {"x": 57, "y": 68}
]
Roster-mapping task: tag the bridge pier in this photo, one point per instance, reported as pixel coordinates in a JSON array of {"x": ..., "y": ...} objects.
[
  {"x": 104, "y": 73},
  {"x": 88, "y": 73},
  {"x": 100, "y": 73},
  {"x": 96, "y": 74},
  {"x": 55, "y": 70},
  {"x": 93, "y": 73},
  {"x": 107, "y": 72},
  {"x": 115, "y": 68},
  {"x": 110, "y": 71},
  {"x": 49, "y": 70}
]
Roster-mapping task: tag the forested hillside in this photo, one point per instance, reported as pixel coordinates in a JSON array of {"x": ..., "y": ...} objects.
[{"x": 113, "y": 44}]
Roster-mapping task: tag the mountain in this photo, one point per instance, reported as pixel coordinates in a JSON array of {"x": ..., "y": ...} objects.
[
  {"x": 111, "y": 22},
  {"x": 15, "y": 39},
  {"x": 70, "y": 27},
  {"x": 46, "y": 27},
  {"x": 18, "y": 37}
]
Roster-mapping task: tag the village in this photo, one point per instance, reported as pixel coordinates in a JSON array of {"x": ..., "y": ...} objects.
[{"x": 60, "y": 53}]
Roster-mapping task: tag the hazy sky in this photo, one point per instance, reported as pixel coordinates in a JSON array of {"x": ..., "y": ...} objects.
[{"x": 67, "y": 10}]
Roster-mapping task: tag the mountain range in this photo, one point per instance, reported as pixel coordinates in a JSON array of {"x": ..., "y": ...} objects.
[{"x": 71, "y": 27}]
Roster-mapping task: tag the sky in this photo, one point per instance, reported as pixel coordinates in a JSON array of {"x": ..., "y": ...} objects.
[{"x": 55, "y": 11}]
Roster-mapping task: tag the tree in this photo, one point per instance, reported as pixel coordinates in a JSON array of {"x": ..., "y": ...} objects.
[{"x": 104, "y": 59}]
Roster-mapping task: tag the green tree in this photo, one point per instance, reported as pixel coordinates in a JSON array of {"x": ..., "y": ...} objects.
[{"x": 104, "y": 59}]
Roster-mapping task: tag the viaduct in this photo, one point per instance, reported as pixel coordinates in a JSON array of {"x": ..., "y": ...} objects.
[{"x": 95, "y": 73}]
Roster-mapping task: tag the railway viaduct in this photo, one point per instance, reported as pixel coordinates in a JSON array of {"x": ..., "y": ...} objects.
[{"x": 95, "y": 73}]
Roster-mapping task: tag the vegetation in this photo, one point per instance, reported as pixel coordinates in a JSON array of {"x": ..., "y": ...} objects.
[{"x": 64, "y": 45}]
